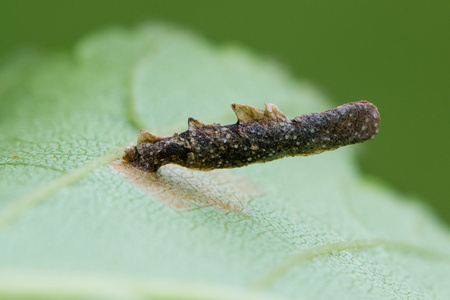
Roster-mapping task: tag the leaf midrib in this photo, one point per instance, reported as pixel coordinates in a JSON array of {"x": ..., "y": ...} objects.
[{"x": 26, "y": 202}]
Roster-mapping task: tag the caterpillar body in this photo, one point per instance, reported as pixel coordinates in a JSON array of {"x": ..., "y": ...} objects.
[{"x": 258, "y": 136}]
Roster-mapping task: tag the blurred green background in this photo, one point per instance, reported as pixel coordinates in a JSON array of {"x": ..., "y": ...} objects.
[{"x": 393, "y": 53}]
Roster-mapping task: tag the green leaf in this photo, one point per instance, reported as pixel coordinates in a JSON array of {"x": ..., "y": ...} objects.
[{"x": 71, "y": 227}]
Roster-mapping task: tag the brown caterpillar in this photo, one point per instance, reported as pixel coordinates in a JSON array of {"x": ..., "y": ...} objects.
[{"x": 258, "y": 136}]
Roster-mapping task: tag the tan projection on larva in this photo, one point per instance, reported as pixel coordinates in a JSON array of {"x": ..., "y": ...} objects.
[{"x": 259, "y": 136}]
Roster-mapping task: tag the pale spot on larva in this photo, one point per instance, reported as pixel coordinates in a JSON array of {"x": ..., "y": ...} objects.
[
  {"x": 376, "y": 124},
  {"x": 228, "y": 136},
  {"x": 236, "y": 146},
  {"x": 364, "y": 127},
  {"x": 349, "y": 124},
  {"x": 249, "y": 159}
]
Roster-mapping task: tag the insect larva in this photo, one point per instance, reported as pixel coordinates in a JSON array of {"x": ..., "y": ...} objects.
[{"x": 258, "y": 136}]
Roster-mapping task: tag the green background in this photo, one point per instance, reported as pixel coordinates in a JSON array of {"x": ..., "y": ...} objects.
[{"x": 393, "y": 53}]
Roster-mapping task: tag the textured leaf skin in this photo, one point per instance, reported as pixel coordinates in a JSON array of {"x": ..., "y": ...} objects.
[{"x": 71, "y": 227}]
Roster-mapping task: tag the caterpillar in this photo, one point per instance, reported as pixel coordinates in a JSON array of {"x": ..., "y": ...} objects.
[{"x": 258, "y": 136}]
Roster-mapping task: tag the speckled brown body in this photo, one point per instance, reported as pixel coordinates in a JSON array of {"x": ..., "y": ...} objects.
[{"x": 258, "y": 136}]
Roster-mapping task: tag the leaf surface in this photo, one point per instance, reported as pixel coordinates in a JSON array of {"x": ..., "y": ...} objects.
[{"x": 71, "y": 227}]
